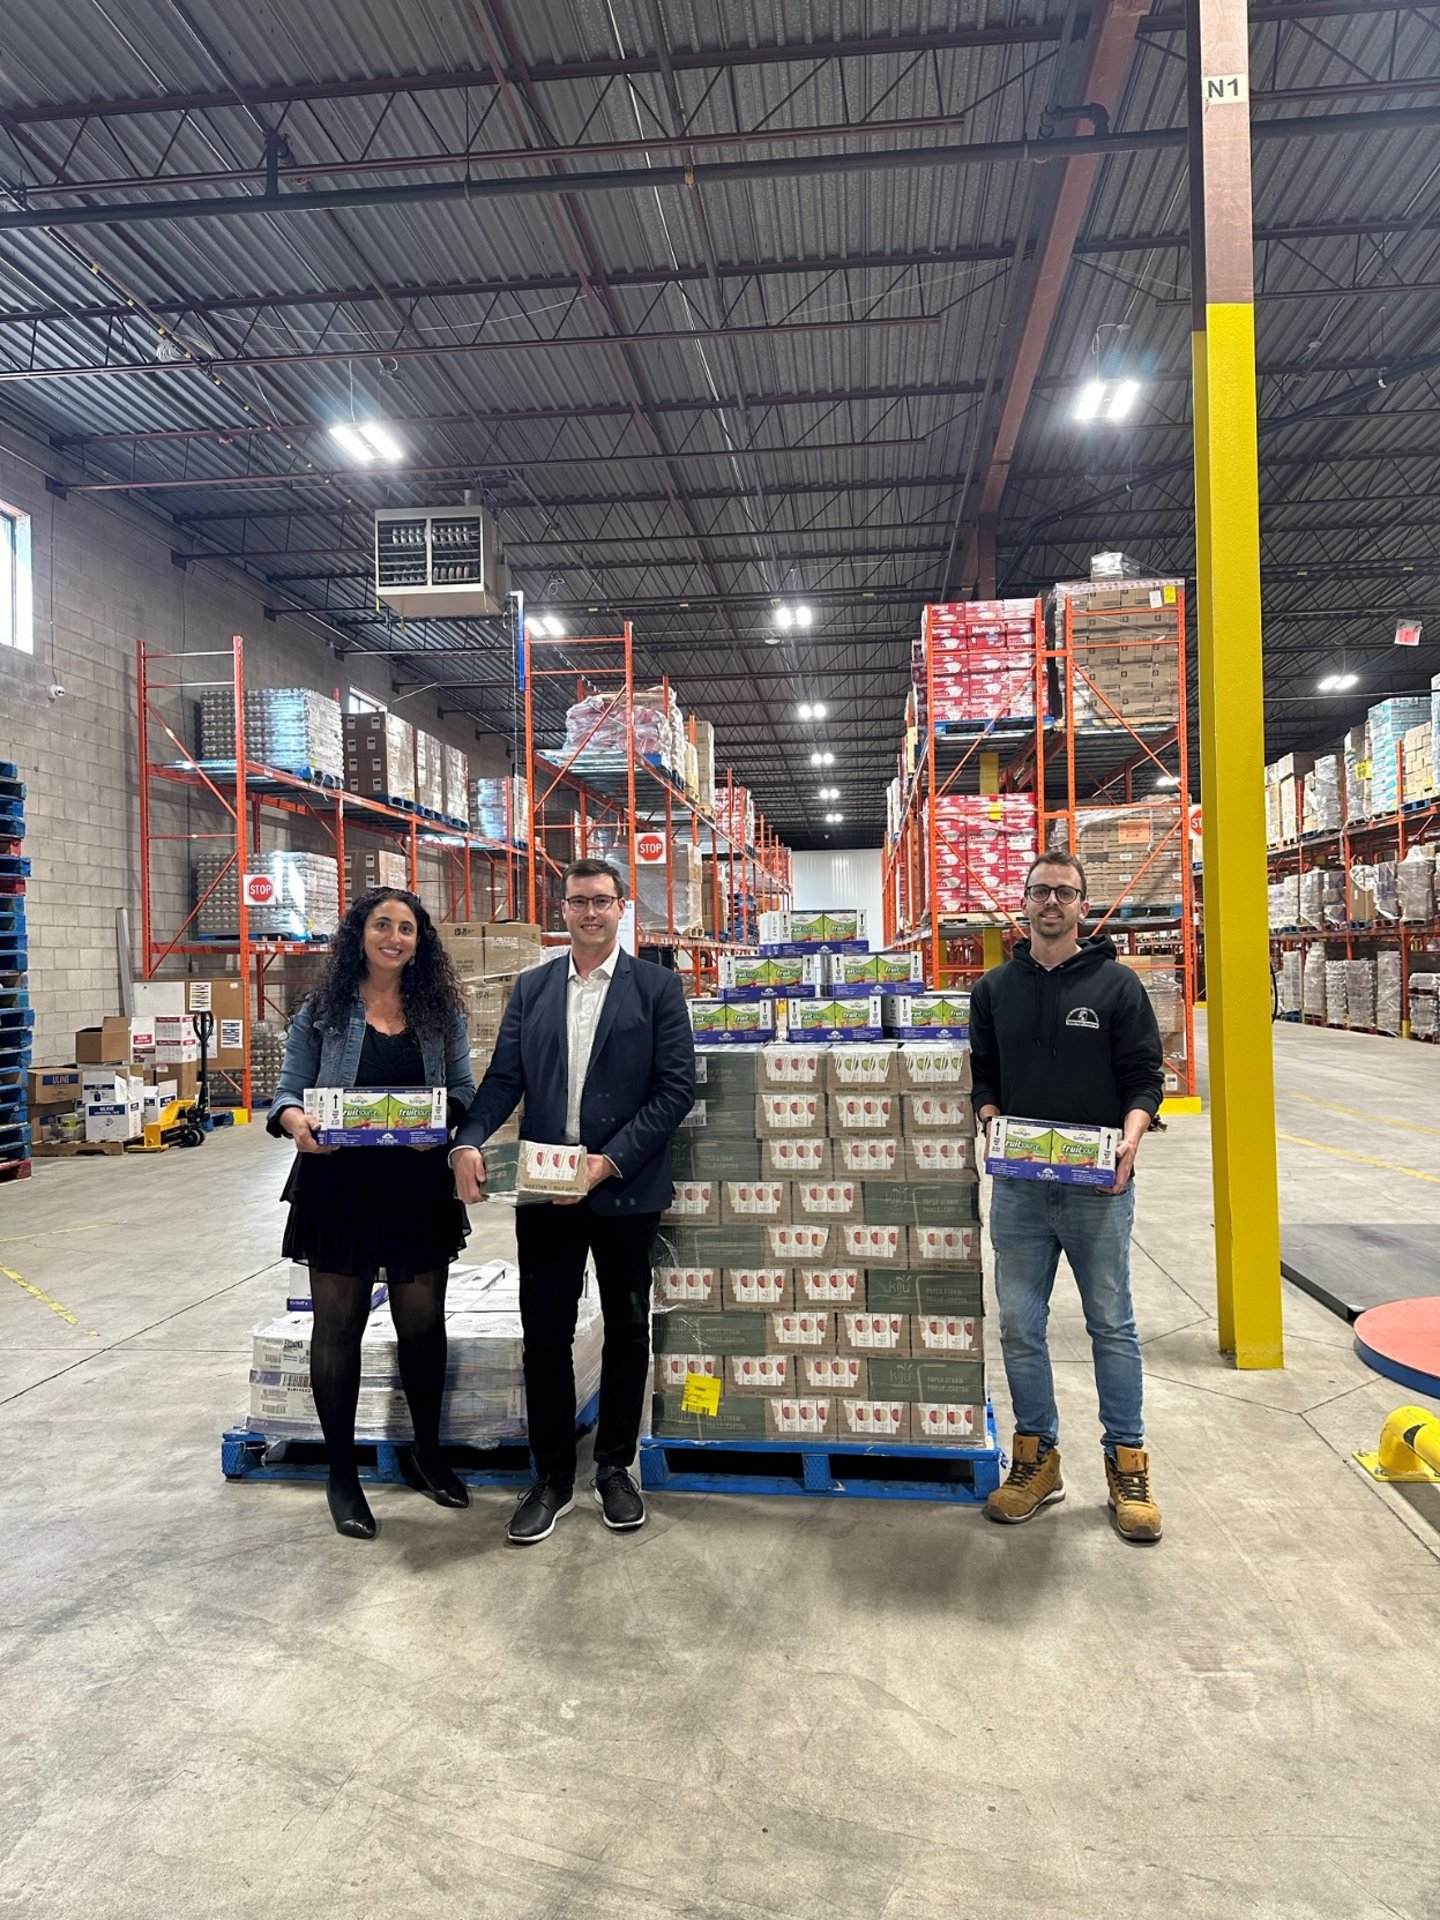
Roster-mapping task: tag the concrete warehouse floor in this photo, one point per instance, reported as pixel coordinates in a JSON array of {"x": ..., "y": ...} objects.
[{"x": 210, "y": 1705}]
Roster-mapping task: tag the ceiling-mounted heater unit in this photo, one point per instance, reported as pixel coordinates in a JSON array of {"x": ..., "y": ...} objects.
[{"x": 439, "y": 561}]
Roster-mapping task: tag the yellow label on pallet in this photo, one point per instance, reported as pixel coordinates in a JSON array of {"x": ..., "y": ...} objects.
[{"x": 700, "y": 1394}]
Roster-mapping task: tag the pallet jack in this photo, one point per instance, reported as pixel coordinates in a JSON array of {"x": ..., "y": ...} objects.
[{"x": 184, "y": 1123}]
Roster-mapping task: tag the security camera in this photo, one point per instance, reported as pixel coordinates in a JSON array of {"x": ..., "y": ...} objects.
[{"x": 57, "y": 692}]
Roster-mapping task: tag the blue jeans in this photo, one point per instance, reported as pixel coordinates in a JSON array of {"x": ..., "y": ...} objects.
[{"x": 1032, "y": 1222}]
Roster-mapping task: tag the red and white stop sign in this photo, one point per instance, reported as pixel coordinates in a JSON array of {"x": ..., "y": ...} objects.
[
  {"x": 259, "y": 890},
  {"x": 1196, "y": 824},
  {"x": 650, "y": 849}
]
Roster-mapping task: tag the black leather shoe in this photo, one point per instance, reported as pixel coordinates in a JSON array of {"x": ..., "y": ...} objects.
[
  {"x": 350, "y": 1511},
  {"x": 534, "y": 1519},
  {"x": 444, "y": 1487},
  {"x": 619, "y": 1498}
]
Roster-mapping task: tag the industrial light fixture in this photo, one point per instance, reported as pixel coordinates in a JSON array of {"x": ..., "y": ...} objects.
[
  {"x": 788, "y": 616},
  {"x": 1339, "y": 682},
  {"x": 546, "y": 626},
  {"x": 811, "y": 710},
  {"x": 1168, "y": 780},
  {"x": 822, "y": 759},
  {"x": 828, "y": 793},
  {"x": 366, "y": 440},
  {"x": 833, "y": 819},
  {"x": 1106, "y": 399}
]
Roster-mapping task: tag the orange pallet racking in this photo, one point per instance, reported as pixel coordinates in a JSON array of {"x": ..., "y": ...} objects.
[{"x": 475, "y": 872}]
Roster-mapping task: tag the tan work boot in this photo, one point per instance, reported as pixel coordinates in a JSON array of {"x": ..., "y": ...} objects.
[
  {"x": 1031, "y": 1484},
  {"x": 1136, "y": 1515}
]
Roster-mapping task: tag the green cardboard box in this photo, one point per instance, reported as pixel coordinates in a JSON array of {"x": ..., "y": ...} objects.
[
  {"x": 739, "y": 1417},
  {"x": 924, "y": 1290},
  {"x": 960, "y": 1381},
  {"x": 899, "y": 1203},
  {"x": 736, "y": 1332},
  {"x": 702, "y": 1155},
  {"x": 707, "y": 1246}
]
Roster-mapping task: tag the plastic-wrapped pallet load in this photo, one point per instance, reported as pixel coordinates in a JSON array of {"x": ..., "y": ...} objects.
[
  {"x": 1312, "y": 992},
  {"x": 267, "y": 1053},
  {"x": 705, "y": 764},
  {"x": 670, "y": 883},
  {"x": 1336, "y": 982},
  {"x": 500, "y": 808},
  {"x": 1323, "y": 796},
  {"x": 380, "y": 756},
  {"x": 305, "y": 904},
  {"x": 1125, "y": 649},
  {"x": 429, "y": 772},
  {"x": 1388, "y": 724},
  {"x": 1131, "y": 854},
  {"x": 1360, "y": 992},
  {"x": 1415, "y": 875},
  {"x": 1322, "y": 897},
  {"x": 455, "y": 769},
  {"x": 735, "y": 814},
  {"x": 292, "y": 728},
  {"x": 984, "y": 845},
  {"x": 1388, "y": 1004},
  {"x": 484, "y": 1394},
  {"x": 1291, "y": 963},
  {"x": 982, "y": 662},
  {"x": 1419, "y": 783},
  {"x": 1425, "y": 1006}
]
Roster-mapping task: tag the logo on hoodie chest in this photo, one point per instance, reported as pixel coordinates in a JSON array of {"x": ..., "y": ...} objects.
[{"x": 1083, "y": 1017}]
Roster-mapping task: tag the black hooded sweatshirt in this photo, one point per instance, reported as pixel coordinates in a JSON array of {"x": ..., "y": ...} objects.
[{"x": 1074, "y": 1042}]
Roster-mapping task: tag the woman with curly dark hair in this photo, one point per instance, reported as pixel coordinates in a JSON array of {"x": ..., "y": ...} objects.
[{"x": 386, "y": 1013}]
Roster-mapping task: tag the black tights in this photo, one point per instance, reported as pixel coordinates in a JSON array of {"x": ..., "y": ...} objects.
[{"x": 342, "y": 1306}]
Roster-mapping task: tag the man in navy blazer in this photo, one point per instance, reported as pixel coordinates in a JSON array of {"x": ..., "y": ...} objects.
[{"x": 599, "y": 1046}]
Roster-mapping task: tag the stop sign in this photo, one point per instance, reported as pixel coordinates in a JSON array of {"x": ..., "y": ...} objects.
[
  {"x": 259, "y": 890},
  {"x": 650, "y": 849}
]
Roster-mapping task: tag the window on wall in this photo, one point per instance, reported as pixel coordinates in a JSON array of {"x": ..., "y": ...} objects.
[
  {"x": 357, "y": 702},
  {"x": 16, "y": 618}
]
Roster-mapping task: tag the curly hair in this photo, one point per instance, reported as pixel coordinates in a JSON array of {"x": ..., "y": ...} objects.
[{"x": 429, "y": 990}]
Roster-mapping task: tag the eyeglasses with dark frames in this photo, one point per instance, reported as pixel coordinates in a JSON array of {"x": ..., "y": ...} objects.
[{"x": 1067, "y": 896}]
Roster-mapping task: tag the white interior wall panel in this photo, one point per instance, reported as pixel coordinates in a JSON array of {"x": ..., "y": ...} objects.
[{"x": 847, "y": 877}]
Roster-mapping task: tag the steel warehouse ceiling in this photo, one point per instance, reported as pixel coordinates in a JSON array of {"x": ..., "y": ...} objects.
[{"x": 687, "y": 399}]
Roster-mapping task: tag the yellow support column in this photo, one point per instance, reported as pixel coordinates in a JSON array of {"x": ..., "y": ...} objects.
[
  {"x": 994, "y": 951},
  {"x": 1231, "y": 687}
]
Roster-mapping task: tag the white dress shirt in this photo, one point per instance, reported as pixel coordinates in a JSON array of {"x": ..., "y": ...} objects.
[{"x": 584, "y": 1003}]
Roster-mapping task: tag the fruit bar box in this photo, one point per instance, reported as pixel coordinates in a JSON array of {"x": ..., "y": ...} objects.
[
  {"x": 871, "y": 1332},
  {"x": 684, "y": 1331},
  {"x": 853, "y": 976},
  {"x": 831, "y": 1019},
  {"x": 378, "y": 1116},
  {"x": 749, "y": 1373},
  {"x": 801, "y": 1243},
  {"x": 743, "y": 978},
  {"x": 832, "y": 1373},
  {"x": 955, "y": 1380},
  {"x": 799, "y": 1111},
  {"x": 948, "y": 1246},
  {"x": 926, "y": 1290},
  {"x": 833, "y": 1287},
  {"x": 886, "y": 1422},
  {"x": 803, "y": 1158},
  {"x": 791, "y": 1066},
  {"x": 830, "y": 930},
  {"x": 863, "y": 1068},
  {"x": 550, "y": 1168},
  {"x": 694, "y": 1201},
  {"x": 699, "y": 1154},
  {"x": 948, "y": 1424},
  {"x": 899, "y": 1203},
  {"x": 936, "y": 1066},
  {"x": 758, "y": 1289},
  {"x": 1048, "y": 1150},
  {"x": 730, "y": 1022},
  {"x": 938, "y": 1113},
  {"x": 837, "y": 1198},
  {"x": 852, "y": 1113},
  {"x": 921, "y": 1016},
  {"x": 929, "y": 1157},
  {"x": 742, "y": 1201}
]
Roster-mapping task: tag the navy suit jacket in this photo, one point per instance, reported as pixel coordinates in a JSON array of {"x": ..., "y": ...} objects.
[{"x": 639, "y": 1087}]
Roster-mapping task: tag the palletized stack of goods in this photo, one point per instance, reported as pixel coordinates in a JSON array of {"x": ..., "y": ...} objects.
[
  {"x": 367, "y": 867},
  {"x": 486, "y": 956},
  {"x": 983, "y": 661},
  {"x": 1416, "y": 876},
  {"x": 1388, "y": 1000},
  {"x": 735, "y": 815},
  {"x": 1336, "y": 993},
  {"x": 927, "y": 1016},
  {"x": 1291, "y": 991},
  {"x": 267, "y": 1053},
  {"x": 1131, "y": 854},
  {"x": 306, "y": 902},
  {"x": 828, "y": 1272},
  {"x": 17, "y": 1018},
  {"x": 1322, "y": 897},
  {"x": 1388, "y": 724},
  {"x": 380, "y": 756},
  {"x": 293, "y": 728},
  {"x": 984, "y": 846},
  {"x": 1419, "y": 763},
  {"x": 705, "y": 764},
  {"x": 1162, "y": 976},
  {"x": 1360, "y": 992},
  {"x": 484, "y": 1386},
  {"x": 1285, "y": 901},
  {"x": 455, "y": 784},
  {"x": 1322, "y": 809},
  {"x": 500, "y": 808},
  {"x": 667, "y": 887},
  {"x": 1312, "y": 983},
  {"x": 1357, "y": 773},
  {"x": 1126, "y": 653},
  {"x": 1425, "y": 1006},
  {"x": 429, "y": 772},
  {"x": 597, "y": 729}
]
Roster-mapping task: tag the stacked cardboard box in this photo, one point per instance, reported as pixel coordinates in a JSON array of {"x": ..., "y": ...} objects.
[
  {"x": 1388, "y": 723},
  {"x": 1419, "y": 762},
  {"x": 367, "y": 867},
  {"x": 1163, "y": 978},
  {"x": 1323, "y": 798},
  {"x": 1288, "y": 778},
  {"x": 1356, "y": 753},
  {"x": 1336, "y": 993},
  {"x": 704, "y": 787},
  {"x": 486, "y": 956},
  {"x": 1312, "y": 982},
  {"x": 1290, "y": 985},
  {"x": 500, "y": 809},
  {"x": 293, "y": 728},
  {"x": 380, "y": 756},
  {"x": 984, "y": 845},
  {"x": 983, "y": 661},
  {"x": 429, "y": 772},
  {"x": 1416, "y": 877},
  {"x": 306, "y": 902},
  {"x": 484, "y": 1385},
  {"x": 735, "y": 814},
  {"x": 668, "y": 883},
  {"x": 455, "y": 784},
  {"x": 1131, "y": 854},
  {"x": 1425, "y": 1006},
  {"x": 1389, "y": 1002},
  {"x": 1360, "y": 992},
  {"x": 1322, "y": 897},
  {"x": 223, "y": 996},
  {"x": 821, "y": 1258},
  {"x": 1125, "y": 639}
]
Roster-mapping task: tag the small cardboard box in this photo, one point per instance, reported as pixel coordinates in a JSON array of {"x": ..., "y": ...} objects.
[
  {"x": 683, "y": 1245},
  {"x": 672, "y": 1368},
  {"x": 800, "y": 1242},
  {"x": 953, "y": 1381},
  {"x": 865, "y": 1113},
  {"x": 760, "y": 1373},
  {"x": 699, "y": 1153},
  {"x": 832, "y": 1019},
  {"x": 948, "y": 1246},
  {"x": 1075, "y": 1155},
  {"x": 934, "y": 1157},
  {"x": 801, "y": 1112},
  {"x": 870, "y": 1332},
  {"x": 873, "y": 1420},
  {"x": 54, "y": 1087},
  {"x": 742, "y": 1201},
  {"x": 104, "y": 1086},
  {"x": 915, "y": 1290},
  {"x": 920, "y": 1016},
  {"x": 863, "y": 1068},
  {"x": 739, "y": 1417},
  {"x": 109, "y": 1043},
  {"x": 114, "y": 1120},
  {"x": 800, "y": 1158},
  {"x": 789, "y": 1067},
  {"x": 801, "y": 1417},
  {"x": 877, "y": 1246},
  {"x": 696, "y": 1288},
  {"x": 831, "y": 1287},
  {"x": 759, "y": 1289},
  {"x": 802, "y": 1330},
  {"x": 694, "y": 1200},
  {"x": 900, "y": 1203},
  {"x": 745, "y": 978},
  {"x": 832, "y": 1373},
  {"x": 945, "y": 1333},
  {"x": 395, "y": 1117},
  {"x": 948, "y": 1424},
  {"x": 727, "y": 1070},
  {"x": 822, "y": 930},
  {"x": 939, "y": 1113},
  {"x": 934, "y": 1067},
  {"x": 837, "y": 1198},
  {"x": 870, "y": 1154}
]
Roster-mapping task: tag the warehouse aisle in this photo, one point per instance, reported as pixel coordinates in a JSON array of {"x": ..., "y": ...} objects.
[{"x": 212, "y": 1706}]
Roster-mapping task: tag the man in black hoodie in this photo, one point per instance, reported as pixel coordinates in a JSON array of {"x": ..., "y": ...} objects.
[{"x": 1063, "y": 1032}]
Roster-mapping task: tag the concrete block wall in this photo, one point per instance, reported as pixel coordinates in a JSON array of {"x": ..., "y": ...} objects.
[{"x": 103, "y": 579}]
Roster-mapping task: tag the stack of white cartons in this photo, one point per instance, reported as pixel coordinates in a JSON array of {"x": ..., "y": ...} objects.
[
  {"x": 305, "y": 902},
  {"x": 484, "y": 1391},
  {"x": 1322, "y": 897},
  {"x": 1336, "y": 983},
  {"x": 500, "y": 808},
  {"x": 293, "y": 728},
  {"x": 1416, "y": 875},
  {"x": 1312, "y": 987},
  {"x": 1387, "y": 991},
  {"x": 1360, "y": 992},
  {"x": 1425, "y": 1006},
  {"x": 1357, "y": 773},
  {"x": 1290, "y": 984},
  {"x": 455, "y": 769}
]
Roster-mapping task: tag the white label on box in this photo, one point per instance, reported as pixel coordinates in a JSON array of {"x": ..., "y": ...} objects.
[
  {"x": 870, "y": 1156},
  {"x": 863, "y": 1066},
  {"x": 761, "y": 1199},
  {"x": 759, "y": 1370},
  {"x": 798, "y": 1156},
  {"x": 946, "y": 1243},
  {"x": 940, "y": 1153},
  {"x": 686, "y": 1286},
  {"x": 803, "y": 1418},
  {"x": 831, "y": 1372},
  {"x": 868, "y": 1244},
  {"x": 875, "y": 1332},
  {"x": 946, "y": 1333},
  {"x": 758, "y": 1286},
  {"x": 880, "y": 1419},
  {"x": 792, "y": 1066},
  {"x": 797, "y": 1112},
  {"x": 830, "y": 1286},
  {"x": 944, "y": 1422},
  {"x": 692, "y": 1197},
  {"x": 798, "y": 1243},
  {"x": 800, "y": 1329},
  {"x": 936, "y": 1110},
  {"x": 675, "y": 1366},
  {"x": 827, "y": 1196}
]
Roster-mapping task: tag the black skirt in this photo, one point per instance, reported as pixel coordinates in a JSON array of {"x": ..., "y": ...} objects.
[{"x": 363, "y": 1209}]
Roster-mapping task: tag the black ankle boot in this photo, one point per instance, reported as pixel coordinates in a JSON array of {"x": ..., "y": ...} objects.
[{"x": 350, "y": 1510}]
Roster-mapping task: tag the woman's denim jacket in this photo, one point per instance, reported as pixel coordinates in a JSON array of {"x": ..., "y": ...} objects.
[{"x": 330, "y": 1057}]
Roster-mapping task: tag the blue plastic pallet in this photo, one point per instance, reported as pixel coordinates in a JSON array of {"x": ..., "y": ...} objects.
[
  {"x": 852, "y": 1470},
  {"x": 15, "y": 1020},
  {"x": 251, "y": 1456},
  {"x": 9, "y": 770},
  {"x": 14, "y": 998},
  {"x": 12, "y": 867}
]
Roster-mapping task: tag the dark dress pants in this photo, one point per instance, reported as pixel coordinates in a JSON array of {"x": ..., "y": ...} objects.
[{"x": 553, "y": 1242}]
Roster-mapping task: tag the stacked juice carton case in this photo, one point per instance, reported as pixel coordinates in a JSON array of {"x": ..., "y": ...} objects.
[{"x": 820, "y": 1260}]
